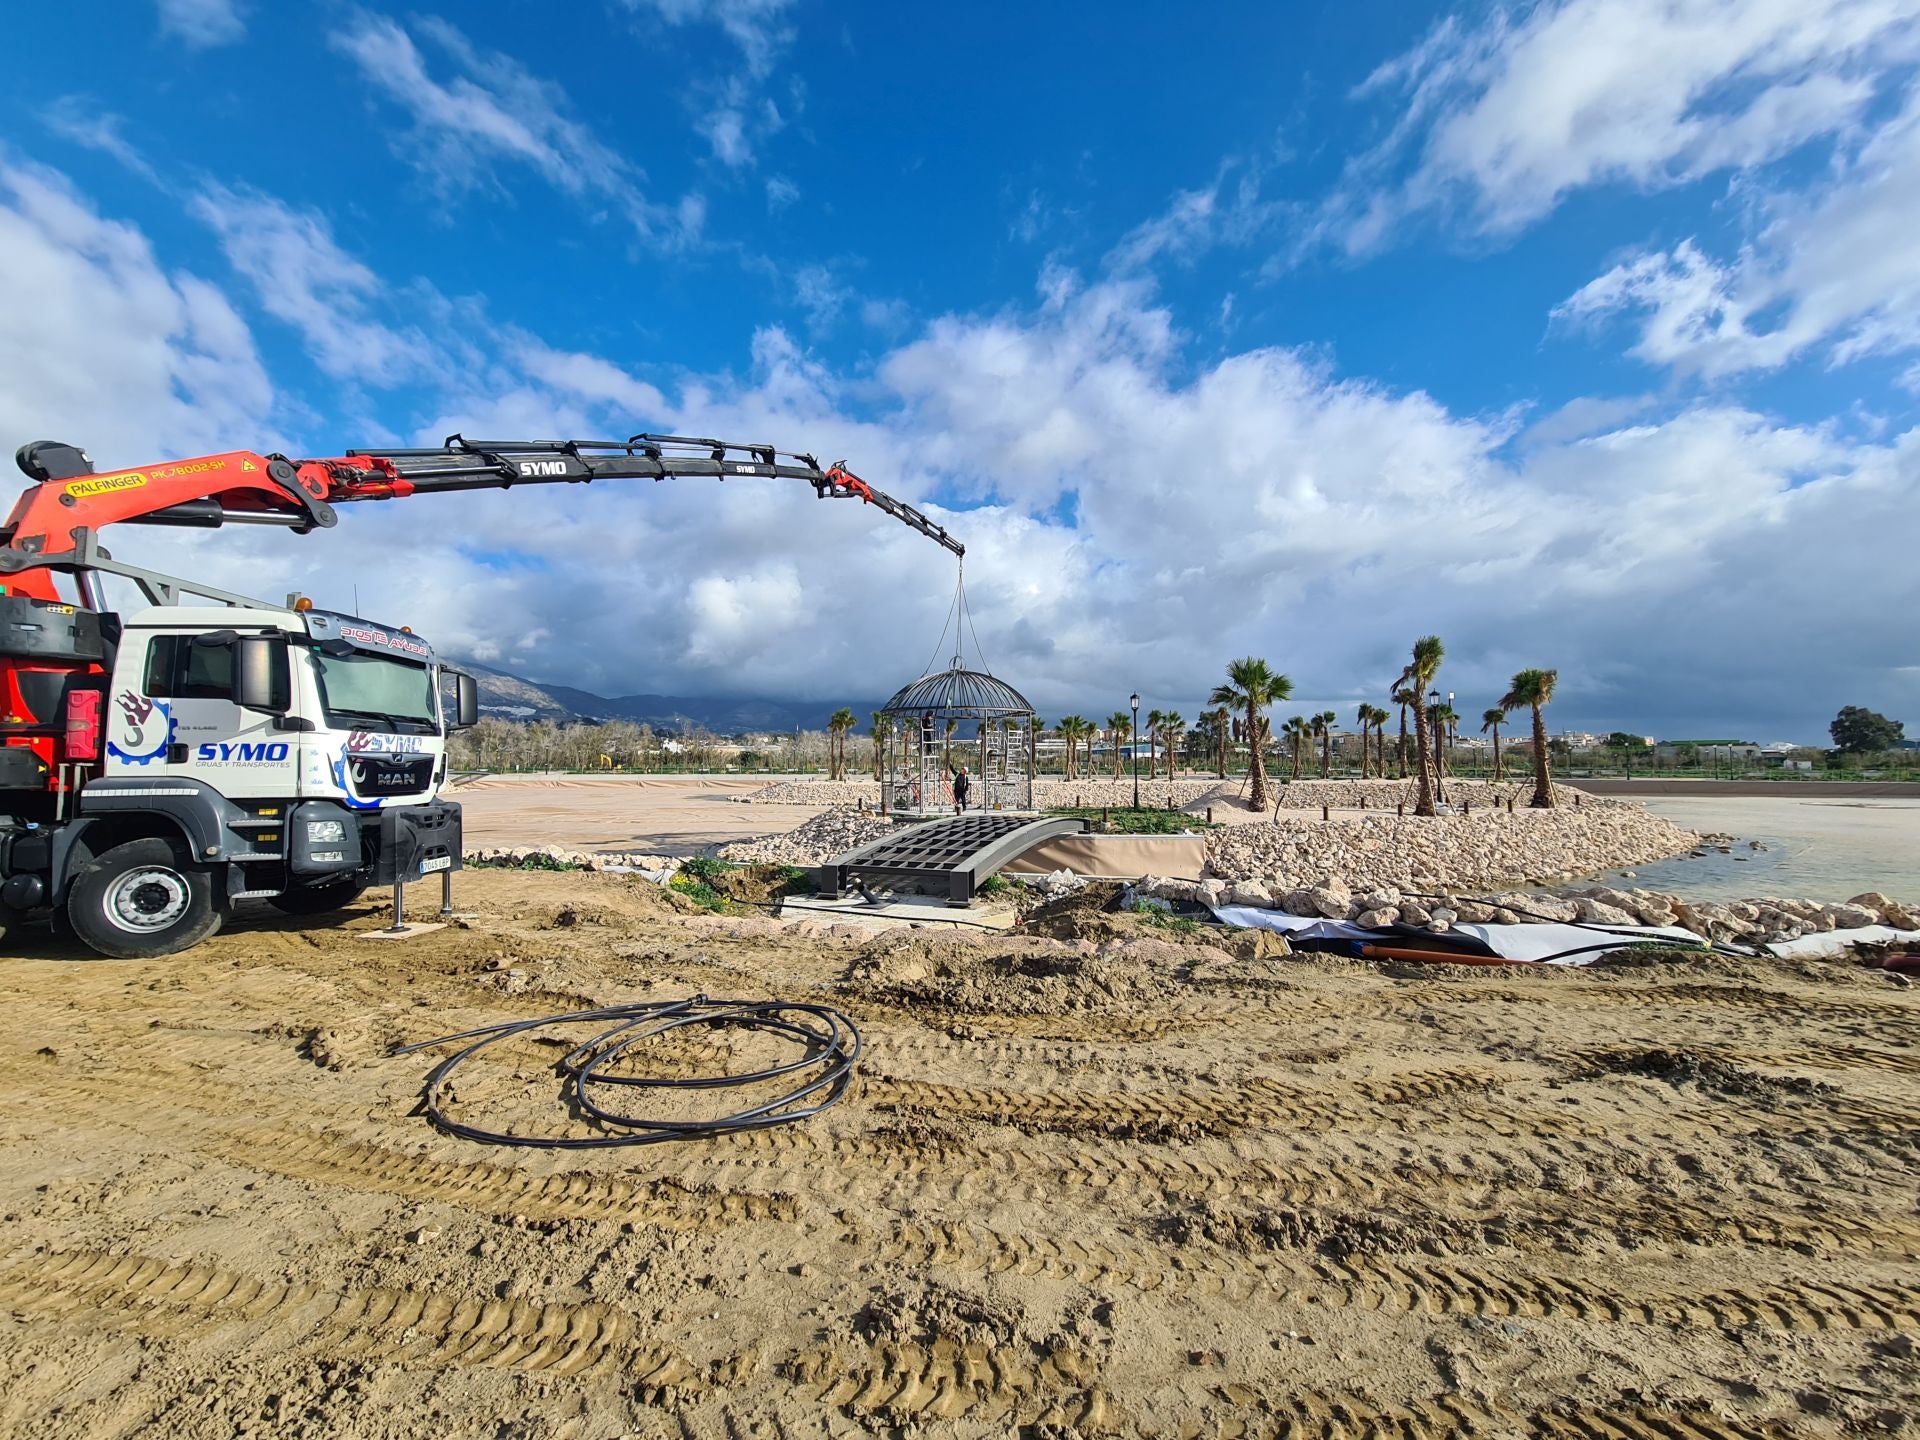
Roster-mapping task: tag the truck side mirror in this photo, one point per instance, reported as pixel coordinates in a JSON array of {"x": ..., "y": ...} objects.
[
  {"x": 260, "y": 674},
  {"x": 466, "y": 701}
]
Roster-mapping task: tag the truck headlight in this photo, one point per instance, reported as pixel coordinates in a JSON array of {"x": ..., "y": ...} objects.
[{"x": 326, "y": 832}]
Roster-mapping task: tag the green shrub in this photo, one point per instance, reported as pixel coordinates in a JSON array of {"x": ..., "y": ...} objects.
[
  {"x": 697, "y": 890},
  {"x": 528, "y": 862},
  {"x": 1164, "y": 920},
  {"x": 706, "y": 867}
]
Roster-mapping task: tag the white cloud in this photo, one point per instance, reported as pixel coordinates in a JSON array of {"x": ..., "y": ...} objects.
[
  {"x": 1258, "y": 504},
  {"x": 1836, "y": 269},
  {"x": 1504, "y": 119},
  {"x": 820, "y": 294},
  {"x": 781, "y": 192},
  {"x": 203, "y": 24},
  {"x": 487, "y": 109},
  {"x": 593, "y": 379},
  {"x": 758, "y": 27},
  {"x": 300, "y": 275},
  {"x": 102, "y": 347},
  {"x": 733, "y": 108},
  {"x": 81, "y": 119},
  {"x": 1196, "y": 221}
]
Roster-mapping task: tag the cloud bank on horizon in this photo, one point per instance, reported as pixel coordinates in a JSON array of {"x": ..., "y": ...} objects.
[{"x": 1583, "y": 333}]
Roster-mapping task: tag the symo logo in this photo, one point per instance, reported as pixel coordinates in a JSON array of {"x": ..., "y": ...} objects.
[{"x": 243, "y": 752}]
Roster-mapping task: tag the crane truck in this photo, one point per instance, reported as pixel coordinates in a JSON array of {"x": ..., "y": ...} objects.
[{"x": 161, "y": 764}]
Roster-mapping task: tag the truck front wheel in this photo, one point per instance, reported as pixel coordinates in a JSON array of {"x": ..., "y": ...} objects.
[
  {"x": 318, "y": 899},
  {"x": 142, "y": 899}
]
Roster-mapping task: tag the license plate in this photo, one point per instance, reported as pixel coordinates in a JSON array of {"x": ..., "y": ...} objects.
[{"x": 443, "y": 862}]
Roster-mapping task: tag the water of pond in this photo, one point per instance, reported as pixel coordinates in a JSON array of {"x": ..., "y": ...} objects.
[{"x": 1825, "y": 848}]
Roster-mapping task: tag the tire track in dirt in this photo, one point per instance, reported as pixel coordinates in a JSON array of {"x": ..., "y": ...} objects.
[
  {"x": 1822, "y": 1057},
  {"x": 1532, "y": 1219},
  {"x": 1675, "y": 996},
  {"x": 1084, "y": 1026},
  {"x": 1400, "y": 1283},
  {"x": 1210, "y": 1109},
  {"x": 505, "y": 1189},
  {"x": 950, "y": 1379},
  {"x": 936, "y": 1170},
  {"x": 1246, "y": 1414},
  {"x": 917, "y": 1170},
  {"x": 160, "y": 1298}
]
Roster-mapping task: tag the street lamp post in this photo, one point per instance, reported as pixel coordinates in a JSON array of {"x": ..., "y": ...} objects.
[
  {"x": 1439, "y": 728},
  {"x": 1133, "y": 700}
]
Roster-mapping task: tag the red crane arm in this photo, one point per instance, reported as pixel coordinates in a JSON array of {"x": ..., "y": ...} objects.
[{"x": 242, "y": 487}]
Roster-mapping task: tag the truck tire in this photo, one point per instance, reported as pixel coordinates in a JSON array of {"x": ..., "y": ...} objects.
[
  {"x": 143, "y": 899},
  {"x": 318, "y": 899}
]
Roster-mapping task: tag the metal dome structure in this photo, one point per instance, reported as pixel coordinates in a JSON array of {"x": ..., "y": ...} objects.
[
  {"x": 929, "y": 747},
  {"x": 960, "y": 694}
]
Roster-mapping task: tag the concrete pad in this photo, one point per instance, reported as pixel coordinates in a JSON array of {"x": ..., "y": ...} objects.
[
  {"x": 405, "y": 932},
  {"x": 926, "y": 910}
]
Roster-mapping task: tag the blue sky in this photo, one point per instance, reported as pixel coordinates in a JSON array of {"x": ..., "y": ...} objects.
[{"x": 1583, "y": 333}]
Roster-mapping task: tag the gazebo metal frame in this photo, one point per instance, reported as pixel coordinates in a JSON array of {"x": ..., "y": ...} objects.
[{"x": 1000, "y": 754}]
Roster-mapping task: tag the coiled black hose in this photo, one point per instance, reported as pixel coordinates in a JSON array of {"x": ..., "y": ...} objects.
[{"x": 830, "y": 1046}]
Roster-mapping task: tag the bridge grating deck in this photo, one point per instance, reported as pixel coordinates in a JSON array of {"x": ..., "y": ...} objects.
[{"x": 948, "y": 857}]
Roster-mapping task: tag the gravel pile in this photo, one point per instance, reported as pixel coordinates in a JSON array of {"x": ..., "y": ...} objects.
[
  {"x": 1100, "y": 793},
  {"x": 1486, "y": 848},
  {"x": 814, "y": 843},
  {"x": 1049, "y": 793},
  {"x": 1385, "y": 794},
  {"x": 842, "y": 794}
]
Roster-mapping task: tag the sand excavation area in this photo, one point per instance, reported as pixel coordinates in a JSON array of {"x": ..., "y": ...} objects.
[
  {"x": 1118, "y": 1183},
  {"x": 614, "y": 814}
]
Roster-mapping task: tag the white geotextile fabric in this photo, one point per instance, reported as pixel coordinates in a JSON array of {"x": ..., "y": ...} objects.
[
  {"x": 1509, "y": 942},
  {"x": 1536, "y": 942},
  {"x": 1832, "y": 942}
]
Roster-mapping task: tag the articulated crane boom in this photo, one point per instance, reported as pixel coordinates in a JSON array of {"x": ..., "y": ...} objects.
[
  {"x": 158, "y": 766},
  {"x": 241, "y": 487}
]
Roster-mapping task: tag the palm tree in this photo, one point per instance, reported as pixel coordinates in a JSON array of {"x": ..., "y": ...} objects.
[
  {"x": 1171, "y": 724},
  {"x": 1399, "y": 697},
  {"x": 1298, "y": 733},
  {"x": 1420, "y": 673},
  {"x": 1328, "y": 719},
  {"x": 838, "y": 724},
  {"x": 1222, "y": 721},
  {"x": 1155, "y": 719},
  {"x": 1073, "y": 729},
  {"x": 880, "y": 731},
  {"x": 1119, "y": 728},
  {"x": 1316, "y": 727},
  {"x": 1492, "y": 720},
  {"x": 1363, "y": 717},
  {"x": 1379, "y": 715},
  {"x": 1251, "y": 687},
  {"x": 946, "y": 749},
  {"x": 1534, "y": 689}
]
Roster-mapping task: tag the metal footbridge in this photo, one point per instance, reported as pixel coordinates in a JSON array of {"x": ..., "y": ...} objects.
[{"x": 942, "y": 857}]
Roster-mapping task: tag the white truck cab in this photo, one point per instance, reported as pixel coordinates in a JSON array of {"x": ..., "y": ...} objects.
[{"x": 293, "y": 755}]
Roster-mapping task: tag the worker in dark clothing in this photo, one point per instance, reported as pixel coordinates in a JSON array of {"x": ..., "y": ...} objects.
[{"x": 961, "y": 784}]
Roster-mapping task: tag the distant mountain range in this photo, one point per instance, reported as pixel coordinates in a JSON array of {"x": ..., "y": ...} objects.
[{"x": 506, "y": 696}]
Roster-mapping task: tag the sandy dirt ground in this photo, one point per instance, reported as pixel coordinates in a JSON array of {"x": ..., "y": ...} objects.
[
  {"x": 654, "y": 814},
  {"x": 1150, "y": 1190}
]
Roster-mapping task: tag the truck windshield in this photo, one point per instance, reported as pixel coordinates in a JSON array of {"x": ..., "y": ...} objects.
[{"x": 361, "y": 690}]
